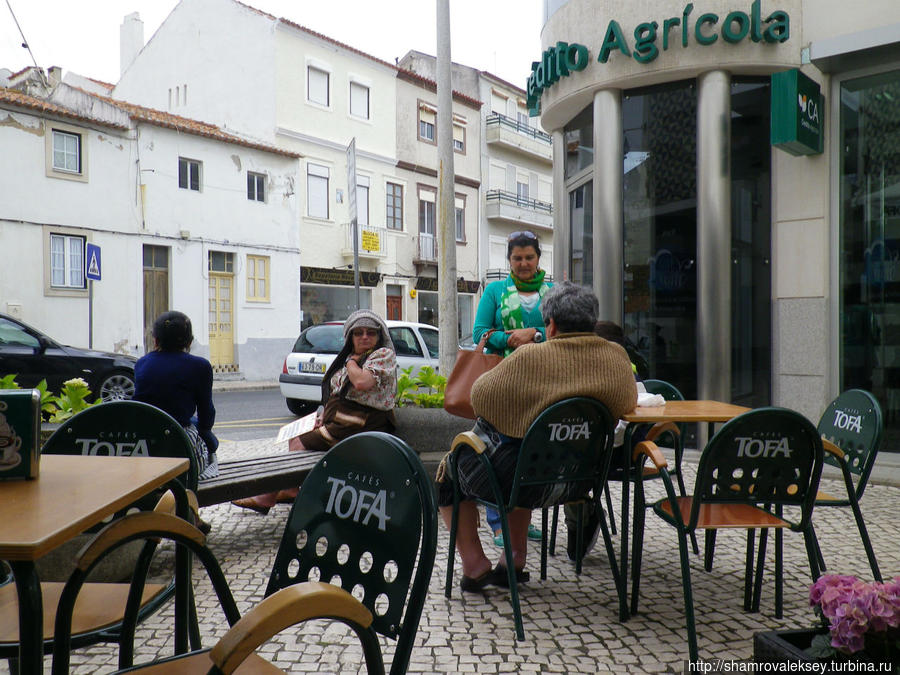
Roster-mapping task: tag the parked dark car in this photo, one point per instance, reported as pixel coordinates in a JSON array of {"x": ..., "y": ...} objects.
[{"x": 32, "y": 357}]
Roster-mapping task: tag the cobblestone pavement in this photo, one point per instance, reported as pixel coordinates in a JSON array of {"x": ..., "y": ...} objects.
[{"x": 571, "y": 623}]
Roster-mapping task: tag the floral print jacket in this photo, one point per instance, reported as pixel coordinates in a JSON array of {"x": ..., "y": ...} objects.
[{"x": 382, "y": 363}]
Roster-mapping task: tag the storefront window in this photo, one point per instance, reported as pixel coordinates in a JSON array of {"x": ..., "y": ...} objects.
[
  {"x": 428, "y": 308},
  {"x": 581, "y": 234},
  {"x": 330, "y": 303},
  {"x": 751, "y": 283},
  {"x": 579, "y": 137},
  {"x": 660, "y": 213},
  {"x": 870, "y": 240},
  {"x": 464, "y": 305}
]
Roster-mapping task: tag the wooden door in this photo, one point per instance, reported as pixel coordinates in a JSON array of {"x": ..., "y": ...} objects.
[
  {"x": 394, "y": 308},
  {"x": 221, "y": 320},
  {"x": 156, "y": 288}
]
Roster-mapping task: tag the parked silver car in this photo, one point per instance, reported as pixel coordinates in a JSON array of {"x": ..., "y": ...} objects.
[{"x": 416, "y": 345}]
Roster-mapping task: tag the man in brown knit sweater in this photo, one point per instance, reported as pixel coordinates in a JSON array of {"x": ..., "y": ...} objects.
[{"x": 573, "y": 362}]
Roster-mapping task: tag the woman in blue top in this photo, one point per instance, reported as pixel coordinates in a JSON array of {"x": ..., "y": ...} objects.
[
  {"x": 512, "y": 308},
  {"x": 180, "y": 383}
]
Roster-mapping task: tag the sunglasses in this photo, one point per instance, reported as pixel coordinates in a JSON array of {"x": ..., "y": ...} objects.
[
  {"x": 525, "y": 233},
  {"x": 368, "y": 332}
]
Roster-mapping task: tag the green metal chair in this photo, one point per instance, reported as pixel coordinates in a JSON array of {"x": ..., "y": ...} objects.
[
  {"x": 854, "y": 423},
  {"x": 358, "y": 548},
  {"x": 150, "y": 527},
  {"x": 114, "y": 428},
  {"x": 565, "y": 466},
  {"x": 758, "y": 463}
]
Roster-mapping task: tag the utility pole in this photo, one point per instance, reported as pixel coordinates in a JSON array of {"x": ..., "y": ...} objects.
[{"x": 448, "y": 313}]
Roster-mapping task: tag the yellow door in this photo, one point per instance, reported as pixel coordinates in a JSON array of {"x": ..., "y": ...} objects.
[{"x": 221, "y": 320}]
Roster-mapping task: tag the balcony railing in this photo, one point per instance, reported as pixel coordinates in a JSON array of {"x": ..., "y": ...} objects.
[
  {"x": 512, "y": 199},
  {"x": 426, "y": 248},
  {"x": 518, "y": 127},
  {"x": 371, "y": 240}
]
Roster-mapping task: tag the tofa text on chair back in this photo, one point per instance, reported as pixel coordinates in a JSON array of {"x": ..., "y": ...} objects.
[
  {"x": 366, "y": 520},
  {"x": 765, "y": 456},
  {"x": 566, "y": 450},
  {"x": 854, "y": 422}
]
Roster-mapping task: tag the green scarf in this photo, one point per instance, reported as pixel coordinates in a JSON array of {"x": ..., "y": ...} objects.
[
  {"x": 528, "y": 286},
  {"x": 511, "y": 305}
]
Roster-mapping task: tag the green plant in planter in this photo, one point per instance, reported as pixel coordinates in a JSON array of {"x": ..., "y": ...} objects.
[
  {"x": 48, "y": 407},
  {"x": 425, "y": 390},
  {"x": 72, "y": 398}
]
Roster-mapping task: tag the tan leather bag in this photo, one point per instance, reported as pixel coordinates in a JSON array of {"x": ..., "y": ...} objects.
[{"x": 469, "y": 366}]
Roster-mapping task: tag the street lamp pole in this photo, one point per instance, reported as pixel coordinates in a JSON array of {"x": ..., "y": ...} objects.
[{"x": 448, "y": 320}]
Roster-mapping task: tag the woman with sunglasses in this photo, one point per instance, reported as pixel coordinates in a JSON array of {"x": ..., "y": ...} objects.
[
  {"x": 511, "y": 308},
  {"x": 358, "y": 393}
]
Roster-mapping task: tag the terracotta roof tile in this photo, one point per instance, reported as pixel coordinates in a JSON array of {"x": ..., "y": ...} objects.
[
  {"x": 168, "y": 120},
  {"x": 21, "y": 100}
]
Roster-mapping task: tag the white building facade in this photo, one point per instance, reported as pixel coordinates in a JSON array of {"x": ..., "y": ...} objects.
[{"x": 186, "y": 216}]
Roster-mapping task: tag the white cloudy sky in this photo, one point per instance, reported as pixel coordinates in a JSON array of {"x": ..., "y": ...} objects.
[{"x": 502, "y": 36}]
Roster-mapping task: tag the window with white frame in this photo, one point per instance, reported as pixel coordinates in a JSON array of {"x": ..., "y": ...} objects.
[
  {"x": 427, "y": 212},
  {"x": 362, "y": 200},
  {"x": 66, "y": 151},
  {"x": 460, "y": 221},
  {"x": 258, "y": 278},
  {"x": 66, "y": 261},
  {"x": 188, "y": 174},
  {"x": 359, "y": 100},
  {"x": 522, "y": 190},
  {"x": 394, "y": 209},
  {"x": 317, "y": 86},
  {"x": 256, "y": 187},
  {"x": 427, "y": 119},
  {"x": 459, "y": 138},
  {"x": 317, "y": 190},
  {"x": 522, "y": 118}
]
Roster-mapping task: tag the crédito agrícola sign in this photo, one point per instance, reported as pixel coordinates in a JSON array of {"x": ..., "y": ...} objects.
[{"x": 564, "y": 58}]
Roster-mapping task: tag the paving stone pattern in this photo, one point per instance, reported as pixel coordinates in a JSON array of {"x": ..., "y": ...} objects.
[{"x": 571, "y": 623}]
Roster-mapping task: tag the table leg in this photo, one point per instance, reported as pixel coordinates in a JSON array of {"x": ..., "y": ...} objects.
[
  {"x": 623, "y": 521},
  {"x": 31, "y": 624}
]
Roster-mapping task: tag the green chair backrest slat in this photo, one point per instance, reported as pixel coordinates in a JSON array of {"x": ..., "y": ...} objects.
[
  {"x": 567, "y": 447},
  {"x": 854, "y": 422},
  {"x": 765, "y": 456},
  {"x": 366, "y": 520}
]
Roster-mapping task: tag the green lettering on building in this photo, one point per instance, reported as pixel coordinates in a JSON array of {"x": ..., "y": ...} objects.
[{"x": 564, "y": 59}]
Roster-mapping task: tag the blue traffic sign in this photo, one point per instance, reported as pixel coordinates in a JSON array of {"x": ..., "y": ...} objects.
[{"x": 92, "y": 262}]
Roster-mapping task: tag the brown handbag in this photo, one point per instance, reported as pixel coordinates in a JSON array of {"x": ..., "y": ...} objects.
[{"x": 470, "y": 364}]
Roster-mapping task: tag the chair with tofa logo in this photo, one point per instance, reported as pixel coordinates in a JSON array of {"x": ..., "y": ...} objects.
[
  {"x": 757, "y": 465},
  {"x": 358, "y": 548},
  {"x": 852, "y": 427},
  {"x": 117, "y": 428},
  {"x": 566, "y": 453}
]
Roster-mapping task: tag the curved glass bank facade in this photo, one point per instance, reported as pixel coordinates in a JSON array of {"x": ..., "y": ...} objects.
[{"x": 746, "y": 266}]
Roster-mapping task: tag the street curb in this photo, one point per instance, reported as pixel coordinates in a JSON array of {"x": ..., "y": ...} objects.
[{"x": 242, "y": 385}]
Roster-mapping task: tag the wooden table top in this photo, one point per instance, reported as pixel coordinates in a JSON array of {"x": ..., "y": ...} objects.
[
  {"x": 72, "y": 493},
  {"x": 686, "y": 411}
]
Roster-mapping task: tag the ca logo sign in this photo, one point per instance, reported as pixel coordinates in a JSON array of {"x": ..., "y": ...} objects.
[{"x": 808, "y": 107}]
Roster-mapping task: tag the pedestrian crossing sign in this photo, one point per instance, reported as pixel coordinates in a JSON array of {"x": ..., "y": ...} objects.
[{"x": 92, "y": 262}]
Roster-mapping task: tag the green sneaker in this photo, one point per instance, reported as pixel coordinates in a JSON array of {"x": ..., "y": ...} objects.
[{"x": 533, "y": 533}]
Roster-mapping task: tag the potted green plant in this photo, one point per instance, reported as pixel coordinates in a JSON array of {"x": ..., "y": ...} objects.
[
  {"x": 72, "y": 399},
  {"x": 421, "y": 419}
]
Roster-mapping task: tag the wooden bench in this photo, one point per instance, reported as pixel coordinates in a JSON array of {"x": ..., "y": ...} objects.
[{"x": 241, "y": 478}]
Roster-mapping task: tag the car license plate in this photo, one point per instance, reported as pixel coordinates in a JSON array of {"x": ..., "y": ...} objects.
[{"x": 307, "y": 367}]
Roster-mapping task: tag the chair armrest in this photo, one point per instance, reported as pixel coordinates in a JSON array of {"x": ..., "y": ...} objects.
[
  {"x": 661, "y": 428},
  {"x": 650, "y": 450},
  {"x": 131, "y": 526},
  {"x": 284, "y": 608},
  {"x": 469, "y": 438},
  {"x": 832, "y": 449}
]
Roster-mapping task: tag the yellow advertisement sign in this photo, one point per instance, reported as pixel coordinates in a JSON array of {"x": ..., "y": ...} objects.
[{"x": 370, "y": 241}]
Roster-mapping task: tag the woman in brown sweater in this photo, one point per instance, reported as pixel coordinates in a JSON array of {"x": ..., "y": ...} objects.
[{"x": 507, "y": 399}]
